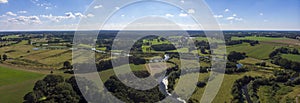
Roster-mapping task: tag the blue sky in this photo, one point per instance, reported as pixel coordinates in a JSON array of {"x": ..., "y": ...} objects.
[{"x": 66, "y": 14}]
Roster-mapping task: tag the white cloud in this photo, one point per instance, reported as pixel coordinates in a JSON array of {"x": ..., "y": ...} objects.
[
  {"x": 230, "y": 18},
  {"x": 26, "y": 20},
  {"x": 90, "y": 15},
  {"x": 261, "y": 14},
  {"x": 54, "y": 18},
  {"x": 218, "y": 16},
  {"x": 234, "y": 15},
  {"x": 233, "y": 18},
  {"x": 169, "y": 15},
  {"x": 3, "y": 1},
  {"x": 43, "y": 3},
  {"x": 182, "y": 1},
  {"x": 22, "y": 12},
  {"x": 122, "y": 15},
  {"x": 117, "y": 8},
  {"x": 226, "y": 10},
  {"x": 48, "y": 8},
  {"x": 98, "y": 6},
  {"x": 11, "y": 13},
  {"x": 238, "y": 19},
  {"x": 80, "y": 15},
  {"x": 183, "y": 14},
  {"x": 70, "y": 15},
  {"x": 191, "y": 11}
]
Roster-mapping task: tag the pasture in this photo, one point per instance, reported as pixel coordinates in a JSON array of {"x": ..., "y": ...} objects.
[
  {"x": 14, "y": 84},
  {"x": 260, "y": 51},
  {"x": 291, "y": 57},
  {"x": 257, "y": 38}
]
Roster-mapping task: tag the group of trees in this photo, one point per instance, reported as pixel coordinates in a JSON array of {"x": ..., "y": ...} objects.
[
  {"x": 163, "y": 47},
  {"x": 236, "y": 90},
  {"x": 235, "y": 42},
  {"x": 283, "y": 50},
  {"x": 288, "y": 77},
  {"x": 107, "y": 64},
  {"x": 231, "y": 65},
  {"x": 288, "y": 64},
  {"x": 4, "y": 57},
  {"x": 52, "y": 88},
  {"x": 55, "y": 88},
  {"x": 236, "y": 56},
  {"x": 132, "y": 95}
]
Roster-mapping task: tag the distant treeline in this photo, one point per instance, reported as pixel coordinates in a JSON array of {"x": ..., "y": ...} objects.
[{"x": 235, "y": 42}]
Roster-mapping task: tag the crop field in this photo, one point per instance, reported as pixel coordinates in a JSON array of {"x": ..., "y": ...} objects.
[
  {"x": 260, "y": 51},
  {"x": 291, "y": 57},
  {"x": 257, "y": 38},
  {"x": 10, "y": 36},
  {"x": 23, "y": 54},
  {"x": 14, "y": 84}
]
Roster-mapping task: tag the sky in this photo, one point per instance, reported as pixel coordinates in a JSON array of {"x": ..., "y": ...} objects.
[{"x": 68, "y": 14}]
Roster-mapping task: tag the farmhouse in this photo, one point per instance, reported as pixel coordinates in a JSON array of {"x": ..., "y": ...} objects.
[{"x": 239, "y": 66}]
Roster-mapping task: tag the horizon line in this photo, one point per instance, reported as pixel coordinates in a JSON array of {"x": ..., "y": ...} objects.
[{"x": 152, "y": 30}]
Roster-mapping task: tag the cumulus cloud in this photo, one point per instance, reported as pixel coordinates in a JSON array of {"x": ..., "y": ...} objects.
[
  {"x": 234, "y": 15},
  {"x": 98, "y": 6},
  {"x": 22, "y": 12},
  {"x": 234, "y": 18},
  {"x": 80, "y": 15},
  {"x": 25, "y": 20},
  {"x": 183, "y": 14},
  {"x": 90, "y": 15},
  {"x": 169, "y": 15},
  {"x": 230, "y": 18},
  {"x": 218, "y": 16},
  {"x": 11, "y": 13},
  {"x": 191, "y": 11},
  {"x": 68, "y": 15},
  {"x": 226, "y": 10},
  {"x": 3, "y": 1},
  {"x": 238, "y": 19}
]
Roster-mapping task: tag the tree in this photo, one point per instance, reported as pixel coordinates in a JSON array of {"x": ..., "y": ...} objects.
[
  {"x": 67, "y": 65},
  {"x": 30, "y": 98},
  {"x": 235, "y": 56},
  {"x": 52, "y": 88},
  {"x": 4, "y": 57}
]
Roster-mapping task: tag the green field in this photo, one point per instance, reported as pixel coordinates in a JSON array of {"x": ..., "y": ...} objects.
[
  {"x": 23, "y": 54},
  {"x": 256, "y": 38},
  {"x": 291, "y": 57},
  {"x": 10, "y": 36},
  {"x": 260, "y": 51},
  {"x": 224, "y": 93},
  {"x": 14, "y": 84}
]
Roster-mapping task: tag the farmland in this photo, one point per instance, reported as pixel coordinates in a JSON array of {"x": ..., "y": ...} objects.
[
  {"x": 291, "y": 57},
  {"x": 39, "y": 55},
  {"x": 14, "y": 84}
]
